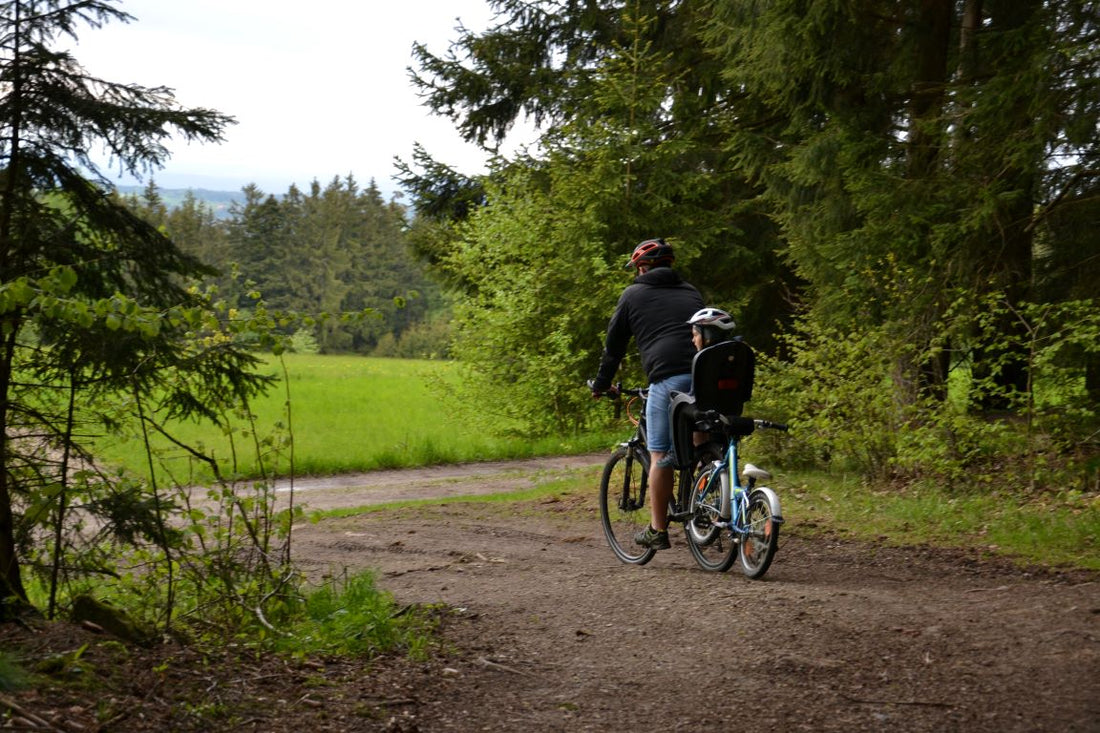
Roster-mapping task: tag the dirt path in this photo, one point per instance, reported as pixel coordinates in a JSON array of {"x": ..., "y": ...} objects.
[
  {"x": 433, "y": 482},
  {"x": 551, "y": 633}
]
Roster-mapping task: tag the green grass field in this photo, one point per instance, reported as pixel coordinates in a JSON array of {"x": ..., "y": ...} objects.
[{"x": 350, "y": 413}]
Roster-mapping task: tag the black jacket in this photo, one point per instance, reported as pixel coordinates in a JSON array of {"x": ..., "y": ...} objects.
[{"x": 654, "y": 310}]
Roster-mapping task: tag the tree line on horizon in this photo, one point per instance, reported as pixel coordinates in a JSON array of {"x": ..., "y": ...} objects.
[{"x": 322, "y": 253}]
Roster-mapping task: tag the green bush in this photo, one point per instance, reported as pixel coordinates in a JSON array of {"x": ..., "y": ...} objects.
[
  {"x": 304, "y": 341},
  {"x": 836, "y": 394},
  {"x": 430, "y": 339},
  {"x": 850, "y": 398}
]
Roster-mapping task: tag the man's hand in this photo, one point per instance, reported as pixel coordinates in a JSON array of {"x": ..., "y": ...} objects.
[{"x": 611, "y": 391}]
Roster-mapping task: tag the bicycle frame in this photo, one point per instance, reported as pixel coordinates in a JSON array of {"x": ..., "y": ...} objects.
[
  {"x": 733, "y": 496},
  {"x": 638, "y": 450}
]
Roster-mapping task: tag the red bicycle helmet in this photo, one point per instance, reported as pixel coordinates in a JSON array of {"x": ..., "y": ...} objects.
[{"x": 651, "y": 253}]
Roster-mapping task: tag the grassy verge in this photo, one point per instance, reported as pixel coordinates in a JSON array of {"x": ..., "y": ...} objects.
[
  {"x": 572, "y": 486},
  {"x": 351, "y": 616},
  {"x": 1051, "y": 529}
]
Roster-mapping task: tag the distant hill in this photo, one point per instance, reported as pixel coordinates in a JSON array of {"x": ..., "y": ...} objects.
[{"x": 218, "y": 201}]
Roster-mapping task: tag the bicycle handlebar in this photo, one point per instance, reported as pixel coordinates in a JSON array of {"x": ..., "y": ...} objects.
[
  {"x": 771, "y": 425},
  {"x": 615, "y": 394},
  {"x": 740, "y": 425},
  {"x": 618, "y": 390}
]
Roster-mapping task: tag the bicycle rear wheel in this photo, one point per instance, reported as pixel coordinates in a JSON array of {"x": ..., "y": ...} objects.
[
  {"x": 759, "y": 544},
  {"x": 712, "y": 546},
  {"x": 623, "y": 510}
]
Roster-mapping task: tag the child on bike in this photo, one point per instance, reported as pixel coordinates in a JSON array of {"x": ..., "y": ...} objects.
[{"x": 709, "y": 326}]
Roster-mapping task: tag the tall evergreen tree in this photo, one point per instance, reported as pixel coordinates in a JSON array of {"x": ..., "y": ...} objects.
[
  {"x": 93, "y": 299},
  {"x": 908, "y": 161},
  {"x": 196, "y": 230},
  {"x": 627, "y": 93},
  {"x": 256, "y": 239},
  {"x": 193, "y": 225},
  {"x": 630, "y": 151}
]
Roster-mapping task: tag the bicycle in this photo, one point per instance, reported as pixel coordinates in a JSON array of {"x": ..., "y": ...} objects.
[{"x": 723, "y": 520}]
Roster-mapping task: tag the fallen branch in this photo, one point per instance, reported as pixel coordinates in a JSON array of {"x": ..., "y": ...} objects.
[
  {"x": 503, "y": 668},
  {"x": 30, "y": 717},
  {"x": 386, "y": 701}
]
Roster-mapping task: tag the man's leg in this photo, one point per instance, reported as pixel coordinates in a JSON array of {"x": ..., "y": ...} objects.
[
  {"x": 660, "y": 444},
  {"x": 660, "y": 491}
]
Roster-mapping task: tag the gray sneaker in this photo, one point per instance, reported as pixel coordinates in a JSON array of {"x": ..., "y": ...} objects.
[{"x": 653, "y": 539}]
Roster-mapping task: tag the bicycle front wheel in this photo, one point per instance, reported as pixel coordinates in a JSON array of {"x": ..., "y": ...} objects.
[
  {"x": 760, "y": 541},
  {"x": 711, "y": 545},
  {"x": 623, "y": 510}
]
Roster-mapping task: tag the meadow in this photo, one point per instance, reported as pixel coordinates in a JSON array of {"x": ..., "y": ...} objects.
[{"x": 349, "y": 414}]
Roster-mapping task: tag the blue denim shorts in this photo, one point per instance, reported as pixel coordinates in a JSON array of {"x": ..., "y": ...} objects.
[{"x": 659, "y": 432}]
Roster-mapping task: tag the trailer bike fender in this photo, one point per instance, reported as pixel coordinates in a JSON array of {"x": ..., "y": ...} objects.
[{"x": 773, "y": 501}]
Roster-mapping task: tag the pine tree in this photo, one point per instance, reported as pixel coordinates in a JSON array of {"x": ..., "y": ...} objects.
[
  {"x": 631, "y": 152},
  {"x": 629, "y": 100},
  {"x": 93, "y": 299}
]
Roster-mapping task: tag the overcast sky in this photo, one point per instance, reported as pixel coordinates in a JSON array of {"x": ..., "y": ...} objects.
[{"x": 319, "y": 89}]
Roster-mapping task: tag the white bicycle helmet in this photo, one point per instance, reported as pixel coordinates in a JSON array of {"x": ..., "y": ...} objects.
[
  {"x": 714, "y": 324},
  {"x": 715, "y": 317}
]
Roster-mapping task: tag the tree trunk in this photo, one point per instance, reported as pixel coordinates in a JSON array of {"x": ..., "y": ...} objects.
[
  {"x": 1092, "y": 380},
  {"x": 926, "y": 137},
  {"x": 1010, "y": 245},
  {"x": 13, "y": 595},
  {"x": 968, "y": 39}
]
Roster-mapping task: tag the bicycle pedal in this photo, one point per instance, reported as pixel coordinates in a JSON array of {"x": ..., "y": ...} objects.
[{"x": 679, "y": 516}]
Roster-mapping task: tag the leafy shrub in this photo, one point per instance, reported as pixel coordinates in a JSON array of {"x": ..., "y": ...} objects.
[
  {"x": 836, "y": 394},
  {"x": 846, "y": 393},
  {"x": 304, "y": 341},
  {"x": 428, "y": 339}
]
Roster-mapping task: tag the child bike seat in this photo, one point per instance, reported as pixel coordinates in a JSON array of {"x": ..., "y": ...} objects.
[{"x": 721, "y": 382}]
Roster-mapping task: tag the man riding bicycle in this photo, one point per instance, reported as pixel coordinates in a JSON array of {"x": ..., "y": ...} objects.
[{"x": 654, "y": 309}]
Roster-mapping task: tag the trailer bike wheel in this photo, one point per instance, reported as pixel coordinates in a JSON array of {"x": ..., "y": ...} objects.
[
  {"x": 623, "y": 511},
  {"x": 759, "y": 543},
  {"x": 711, "y": 545}
]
